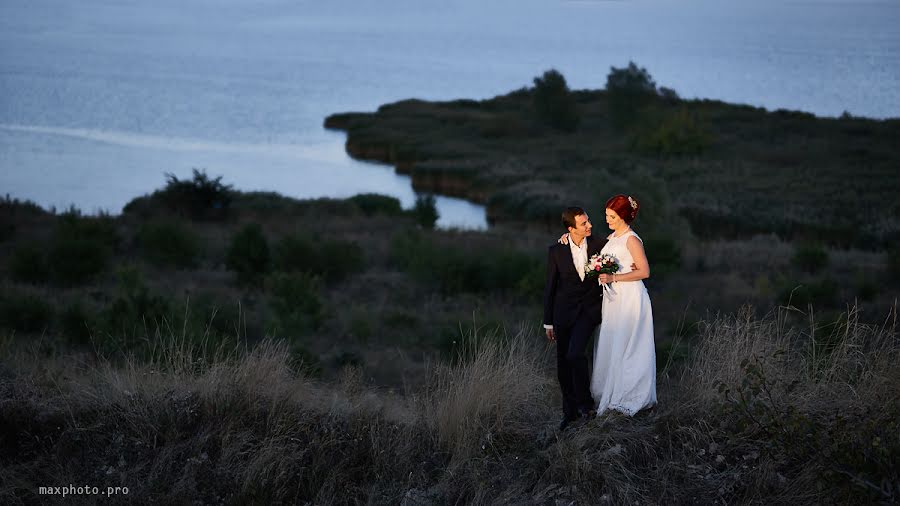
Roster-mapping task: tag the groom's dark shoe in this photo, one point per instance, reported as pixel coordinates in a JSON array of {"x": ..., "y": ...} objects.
[{"x": 565, "y": 423}]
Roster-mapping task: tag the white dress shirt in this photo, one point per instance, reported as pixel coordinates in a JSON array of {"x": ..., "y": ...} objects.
[{"x": 579, "y": 256}]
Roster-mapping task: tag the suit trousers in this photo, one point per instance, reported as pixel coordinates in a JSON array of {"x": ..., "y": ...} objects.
[{"x": 572, "y": 366}]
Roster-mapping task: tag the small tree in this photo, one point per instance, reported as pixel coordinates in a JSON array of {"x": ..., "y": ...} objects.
[
  {"x": 199, "y": 198},
  {"x": 425, "y": 211},
  {"x": 629, "y": 89},
  {"x": 553, "y": 102}
]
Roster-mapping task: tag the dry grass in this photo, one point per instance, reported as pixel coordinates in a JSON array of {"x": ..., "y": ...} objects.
[
  {"x": 498, "y": 388},
  {"x": 237, "y": 426}
]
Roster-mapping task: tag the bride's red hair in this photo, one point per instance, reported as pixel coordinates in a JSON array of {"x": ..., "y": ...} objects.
[{"x": 626, "y": 207}]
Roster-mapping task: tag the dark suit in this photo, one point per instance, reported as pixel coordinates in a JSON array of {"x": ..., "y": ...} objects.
[{"x": 574, "y": 308}]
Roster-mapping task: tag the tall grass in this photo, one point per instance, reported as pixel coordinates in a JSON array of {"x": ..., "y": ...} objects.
[
  {"x": 495, "y": 391},
  {"x": 764, "y": 411}
]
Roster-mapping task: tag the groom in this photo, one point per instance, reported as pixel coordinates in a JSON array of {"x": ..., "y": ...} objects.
[{"x": 572, "y": 310}]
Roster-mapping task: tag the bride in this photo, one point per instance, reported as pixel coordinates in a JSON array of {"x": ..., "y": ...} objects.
[{"x": 624, "y": 375}]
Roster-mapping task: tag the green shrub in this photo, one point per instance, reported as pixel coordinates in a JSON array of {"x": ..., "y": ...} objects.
[
  {"x": 810, "y": 256},
  {"x": 81, "y": 248},
  {"x": 850, "y": 448},
  {"x": 675, "y": 134},
  {"x": 504, "y": 125},
  {"x": 331, "y": 259},
  {"x": 100, "y": 229},
  {"x": 169, "y": 244},
  {"x": 425, "y": 211},
  {"x": 134, "y": 309},
  {"x": 373, "y": 203},
  {"x": 220, "y": 318},
  {"x": 14, "y": 212},
  {"x": 28, "y": 264},
  {"x": 458, "y": 269},
  {"x": 821, "y": 293},
  {"x": 199, "y": 197},
  {"x": 294, "y": 298},
  {"x": 24, "y": 312},
  {"x": 295, "y": 253},
  {"x": 77, "y": 323},
  {"x": 629, "y": 90},
  {"x": 75, "y": 261},
  {"x": 554, "y": 103},
  {"x": 248, "y": 254}
]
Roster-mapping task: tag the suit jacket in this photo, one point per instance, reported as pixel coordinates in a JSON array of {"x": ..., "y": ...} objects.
[{"x": 566, "y": 296}]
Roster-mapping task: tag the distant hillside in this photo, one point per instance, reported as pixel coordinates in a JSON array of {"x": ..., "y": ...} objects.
[{"x": 730, "y": 170}]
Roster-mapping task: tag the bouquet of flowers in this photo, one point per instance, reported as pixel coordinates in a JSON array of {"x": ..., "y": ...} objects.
[{"x": 601, "y": 264}]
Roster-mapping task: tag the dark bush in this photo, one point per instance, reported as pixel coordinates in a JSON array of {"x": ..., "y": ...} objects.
[
  {"x": 294, "y": 297},
  {"x": 135, "y": 307},
  {"x": 100, "y": 229},
  {"x": 28, "y": 264},
  {"x": 77, "y": 323},
  {"x": 169, "y": 244},
  {"x": 554, "y": 103},
  {"x": 295, "y": 253},
  {"x": 219, "y": 317},
  {"x": 81, "y": 248},
  {"x": 248, "y": 254},
  {"x": 425, "y": 211},
  {"x": 198, "y": 198},
  {"x": 673, "y": 134},
  {"x": 850, "y": 449},
  {"x": 629, "y": 89},
  {"x": 457, "y": 269},
  {"x": 373, "y": 203},
  {"x": 668, "y": 95},
  {"x": 13, "y": 212},
  {"x": 810, "y": 256},
  {"x": 24, "y": 312},
  {"x": 819, "y": 294},
  {"x": 331, "y": 259},
  {"x": 75, "y": 261}
]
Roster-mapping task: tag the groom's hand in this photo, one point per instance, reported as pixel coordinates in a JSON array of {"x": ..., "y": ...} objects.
[{"x": 551, "y": 336}]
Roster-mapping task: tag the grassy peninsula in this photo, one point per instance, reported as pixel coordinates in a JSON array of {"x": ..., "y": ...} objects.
[{"x": 729, "y": 171}]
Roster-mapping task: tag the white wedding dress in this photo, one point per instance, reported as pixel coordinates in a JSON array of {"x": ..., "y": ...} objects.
[{"x": 624, "y": 376}]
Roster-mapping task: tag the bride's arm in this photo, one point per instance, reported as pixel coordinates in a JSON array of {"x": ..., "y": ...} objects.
[{"x": 640, "y": 268}]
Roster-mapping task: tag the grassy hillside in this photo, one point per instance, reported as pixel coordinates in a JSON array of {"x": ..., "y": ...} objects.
[{"x": 359, "y": 281}]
